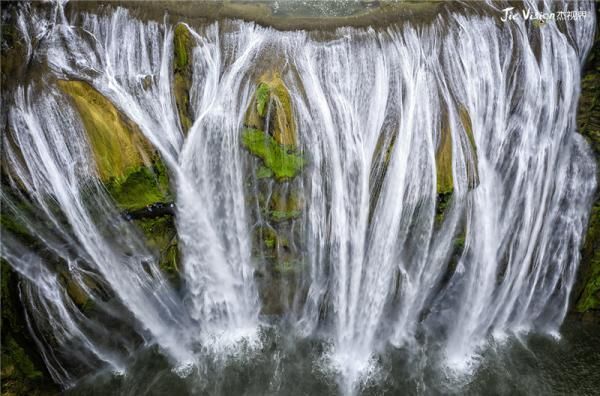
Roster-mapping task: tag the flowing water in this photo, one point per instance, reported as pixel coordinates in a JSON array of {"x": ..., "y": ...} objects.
[{"x": 383, "y": 291}]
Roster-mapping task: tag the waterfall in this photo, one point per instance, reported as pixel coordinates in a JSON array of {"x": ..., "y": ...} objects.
[{"x": 446, "y": 190}]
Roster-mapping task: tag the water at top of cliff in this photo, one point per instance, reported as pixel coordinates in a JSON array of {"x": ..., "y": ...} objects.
[{"x": 443, "y": 188}]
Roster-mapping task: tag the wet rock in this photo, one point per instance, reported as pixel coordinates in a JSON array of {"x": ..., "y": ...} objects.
[
  {"x": 283, "y": 161},
  {"x": 161, "y": 237},
  {"x": 271, "y": 110},
  {"x": 131, "y": 170},
  {"x": 23, "y": 371},
  {"x": 158, "y": 209},
  {"x": 443, "y": 163},
  {"x": 129, "y": 167},
  {"x": 586, "y": 291},
  {"x": 270, "y": 135},
  {"x": 182, "y": 73}
]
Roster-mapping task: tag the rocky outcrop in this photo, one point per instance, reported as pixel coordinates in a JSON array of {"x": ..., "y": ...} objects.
[
  {"x": 443, "y": 163},
  {"x": 23, "y": 371},
  {"x": 131, "y": 170},
  {"x": 277, "y": 203},
  {"x": 182, "y": 74},
  {"x": 135, "y": 177},
  {"x": 586, "y": 294},
  {"x": 272, "y": 109},
  {"x": 279, "y": 161}
]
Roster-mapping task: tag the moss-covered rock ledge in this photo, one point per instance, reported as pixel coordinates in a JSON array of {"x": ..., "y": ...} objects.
[
  {"x": 275, "y": 193},
  {"x": 131, "y": 170},
  {"x": 127, "y": 164},
  {"x": 282, "y": 162},
  {"x": 270, "y": 131},
  {"x": 182, "y": 74}
]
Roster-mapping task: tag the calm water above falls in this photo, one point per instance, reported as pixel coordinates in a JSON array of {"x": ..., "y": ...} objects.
[{"x": 388, "y": 293}]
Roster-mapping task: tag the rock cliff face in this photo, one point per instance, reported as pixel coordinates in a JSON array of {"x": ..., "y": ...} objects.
[
  {"x": 586, "y": 295},
  {"x": 182, "y": 73},
  {"x": 133, "y": 174},
  {"x": 274, "y": 171},
  {"x": 131, "y": 170}
]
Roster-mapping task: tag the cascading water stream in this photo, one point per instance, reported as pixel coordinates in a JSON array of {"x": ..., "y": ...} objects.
[{"x": 394, "y": 255}]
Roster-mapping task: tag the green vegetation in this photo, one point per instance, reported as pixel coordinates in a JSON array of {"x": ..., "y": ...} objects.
[
  {"x": 270, "y": 242},
  {"x": 119, "y": 147},
  {"x": 159, "y": 232},
  {"x": 264, "y": 173},
  {"x": 9, "y": 223},
  {"x": 284, "y": 206},
  {"x": 284, "y": 215},
  {"x": 272, "y": 94},
  {"x": 140, "y": 188},
  {"x": 590, "y": 296},
  {"x": 77, "y": 294},
  {"x": 183, "y": 45},
  {"x": 443, "y": 162},
  {"x": 267, "y": 236},
  {"x": 182, "y": 100},
  {"x": 22, "y": 370},
  {"x": 12, "y": 50},
  {"x": 262, "y": 99},
  {"x": 587, "y": 289},
  {"x": 277, "y": 204},
  {"x": 465, "y": 119},
  {"x": 287, "y": 267},
  {"x": 161, "y": 236},
  {"x": 459, "y": 244},
  {"x": 441, "y": 206},
  {"x": 131, "y": 170},
  {"x": 281, "y": 160},
  {"x": 169, "y": 260}
]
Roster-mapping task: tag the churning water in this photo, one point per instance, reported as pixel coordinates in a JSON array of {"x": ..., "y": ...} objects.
[{"x": 382, "y": 287}]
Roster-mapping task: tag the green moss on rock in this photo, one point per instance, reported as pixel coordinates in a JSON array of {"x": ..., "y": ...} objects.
[
  {"x": 272, "y": 102},
  {"x": 284, "y": 206},
  {"x": 264, "y": 173},
  {"x": 118, "y": 146},
  {"x": 268, "y": 240},
  {"x": 262, "y": 99},
  {"x": 287, "y": 267},
  {"x": 22, "y": 371},
  {"x": 141, "y": 187},
  {"x": 182, "y": 39},
  {"x": 587, "y": 288},
  {"x": 284, "y": 215},
  {"x": 283, "y": 161},
  {"x": 161, "y": 236},
  {"x": 183, "y": 45},
  {"x": 472, "y": 173},
  {"x": 130, "y": 168},
  {"x": 13, "y": 53},
  {"x": 169, "y": 259},
  {"x": 590, "y": 295},
  {"x": 443, "y": 163},
  {"x": 442, "y": 204}
]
